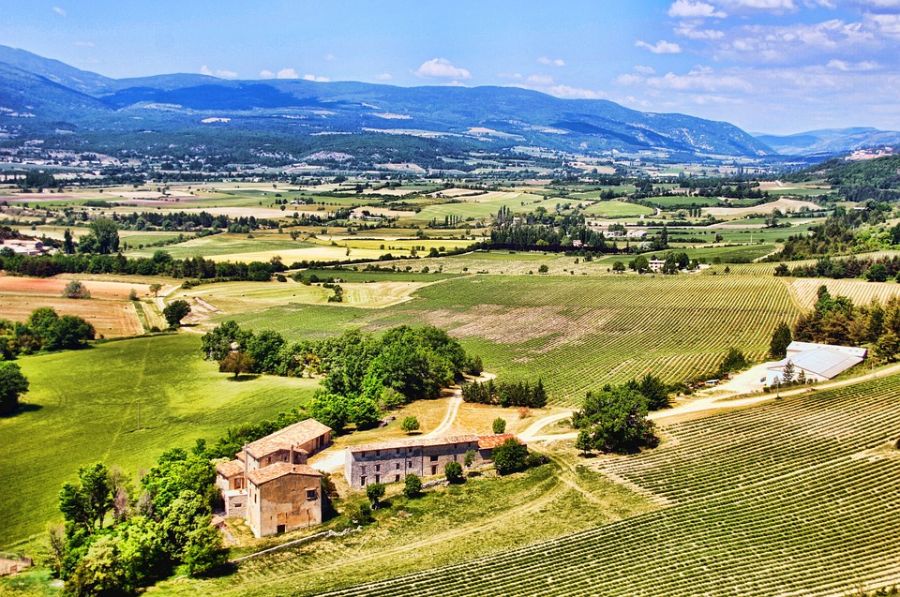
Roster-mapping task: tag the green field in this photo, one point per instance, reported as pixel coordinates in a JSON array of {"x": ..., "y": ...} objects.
[
  {"x": 225, "y": 244},
  {"x": 577, "y": 332},
  {"x": 772, "y": 500},
  {"x": 480, "y": 208},
  {"x": 668, "y": 201},
  {"x": 618, "y": 209},
  {"x": 123, "y": 403}
]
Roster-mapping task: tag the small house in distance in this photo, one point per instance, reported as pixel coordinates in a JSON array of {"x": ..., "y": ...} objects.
[
  {"x": 269, "y": 483},
  {"x": 818, "y": 362},
  {"x": 390, "y": 462}
]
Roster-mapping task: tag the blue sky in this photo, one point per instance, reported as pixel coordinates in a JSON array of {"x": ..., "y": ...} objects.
[{"x": 766, "y": 65}]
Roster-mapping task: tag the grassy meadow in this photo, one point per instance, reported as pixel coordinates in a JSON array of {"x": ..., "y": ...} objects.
[{"x": 123, "y": 403}]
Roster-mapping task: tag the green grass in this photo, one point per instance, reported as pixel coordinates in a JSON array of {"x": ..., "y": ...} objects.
[
  {"x": 224, "y": 244},
  {"x": 476, "y": 209},
  {"x": 375, "y": 276},
  {"x": 618, "y": 209},
  {"x": 122, "y": 403},
  {"x": 667, "y": 201}
]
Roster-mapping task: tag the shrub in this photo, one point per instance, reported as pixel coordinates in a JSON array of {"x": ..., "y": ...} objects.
[
  {"x": 499, "y": 425},
  {"x": 12, "y": 385},
  {"x": 410, "y": 424},
  {"x": 175, "y": 311},
  {"x": 454, "y": 472},
  {"x": 412, "y": 486},
  {"x": 76, "y": 290}
]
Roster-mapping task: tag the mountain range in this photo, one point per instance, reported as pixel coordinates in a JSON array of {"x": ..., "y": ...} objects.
[
  {"x": 68, "y": 107},
  {"x": 828, "y": 142}
]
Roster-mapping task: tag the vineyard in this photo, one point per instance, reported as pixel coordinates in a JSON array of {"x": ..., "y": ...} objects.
[
  {"x": 798, "y": 497},
  {"x": 577, "y": 332}
]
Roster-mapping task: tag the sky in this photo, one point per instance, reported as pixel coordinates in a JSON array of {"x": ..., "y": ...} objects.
[{"x": 775, "y": 66}]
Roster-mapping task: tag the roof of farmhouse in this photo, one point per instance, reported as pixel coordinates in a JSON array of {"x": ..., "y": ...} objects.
[
  {"x": 820, "y": 361},
  {"x": 797, "y": 346},
  {"x": 230, "y": 469},
  {"x": 483, "y": 441},
  {"x": 278, "y": 470},
  {"x": 287, "y": 438}
]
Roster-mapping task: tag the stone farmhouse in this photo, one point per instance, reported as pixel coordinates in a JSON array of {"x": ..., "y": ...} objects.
[
  {"x": 390, "y": 462},
  {"x": 269, "y": 483}
]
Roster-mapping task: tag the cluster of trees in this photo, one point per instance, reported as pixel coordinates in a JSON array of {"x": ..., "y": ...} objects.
[
  {"x": 861, "y": 180},
  {"x": 844, "y": 231},
  {"x": 44, "y": 329},
  {"x": 614, "y": 420},
  {"x": 161, "y": 264},
  {"x": 118, "y": 538},
  {"x": 874, "y": 269},
  {"x": 149, "y": 220},
  {"x": 836, "y": 320},
  {"x": 364, "y": 373},
  {"x": 519, "y": 393}
]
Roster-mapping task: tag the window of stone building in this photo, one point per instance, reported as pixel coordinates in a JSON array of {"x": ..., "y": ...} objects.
[
  {"x": 434, "y": 458},
  {"x": 409, "y": 463},
  {"x": 311, "y": 494},
  {"x": 378, "y": 478},
  {"x": 362, "y": 480},
  {"x": 397, "y": 466},
  {"x": 396, "y": 478},
  {"x": 362, "y": 470},
  {"x": 377, "y": 467},
  {"x": 434, "y": 470}
]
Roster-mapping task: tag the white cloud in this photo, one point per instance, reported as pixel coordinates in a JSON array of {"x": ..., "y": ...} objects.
[
  {"x": 547, "y": 84},
  {"x": 84, "y": 44},
  {"x": 540, "y": 80},
  {"x": 551, "y": 61},
  {"x": 690, "y": 31},
  {"x": 441, "y": 68},
  {"x": 690, "y": 9},
  {"x": 384, "y": 77},
  {"x": 266, "y": 74},
  {"x": 644, "y": 70},
  {"x": 660, "y": 47},
  {"x": 846, "y": 67},
  {"x": 287, "y": 73},
  {"x": 316, "y": 78},
  {"x": 885, "y": 24},
  {"x": 777, "y": 6},
  {"x": 700, "y": 78},
  {"x": 880, "y": 5},
  {"x": 59, "y": 10},
  {"x": 329, "y": 57},
  {"x": 629, "y": 79},
  {"x": 220, "y": 73}
]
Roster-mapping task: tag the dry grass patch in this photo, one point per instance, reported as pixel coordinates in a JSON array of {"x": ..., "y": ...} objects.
[
  {"x": 861, "y": 292},
  {"x": 111, "y": 319},
  {"x": 782, "y": 205}
]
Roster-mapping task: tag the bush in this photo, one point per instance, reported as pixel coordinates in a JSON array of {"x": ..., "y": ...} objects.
[
  {"x": 175, "y": 311},
  {"x": 499, "y": 425},
  {"x": 362, "y": 514},
  {"x": 454, "y": 472},
  {"x": 412, "y": 486},
  {"x": 76, "y": 290},
  {"x": 410, "y": 424}
]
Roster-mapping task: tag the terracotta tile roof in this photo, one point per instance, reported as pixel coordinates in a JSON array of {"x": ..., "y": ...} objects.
[
  {"x": 278, "y": 470},
  {"x": 242, "y": 456},
  {"x": 287, "y": 438},
  {"x": 492, "y": 441},
  {"x": 415, "y": 442},
  {"x": 230, "y": 469}
]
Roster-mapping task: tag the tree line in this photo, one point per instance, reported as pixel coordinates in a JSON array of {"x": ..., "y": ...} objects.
[
  {"x": 844, "y": 231},
  {"x": 873, "y": 269},
  {"x": 518, "y": 393},
  {"x": 836, "y": 320},
  {"x": 364, "y": 374}
]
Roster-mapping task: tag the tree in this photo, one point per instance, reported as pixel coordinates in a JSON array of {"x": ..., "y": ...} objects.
[
  {"x": 155, "y": 288},
  {"x": 616, "y": 418},
  {"x": 640, "y": 264},
  {"x": 469, "y": 458},
  {"x": 583, "y": 442},
  {"x": 655, "y": 391},
  {"x": 877, "y": 273},
  {"x": 12, "y": 385},
  {"x": 787, "y": 374},
  {"x": 103, "y": 238},
  {"x": 510, "y": 457},
  {"x": 364, "y": 412},
  {"x": 410, "y": 424},
  {"x": 175, "y": 311},
  {"x": 204, "y": 552},
  {"x": 618, "y": 267},
  {"x": 68, "y": 243},
  {"x": 86, "y": 503},
  {"x": 76, "y": 290},
  {"x": 888, "y": 347},
  {"x": 375, "y": 492},
  {"x": 69, "y": 332},
  {"x": 453, "y": 471},
  {"x": 734, "y": 360},
  {"x": 543, "y": 269},
  {"x": 330, "y": 409},
  {"x": 236, "y": 362},
  {"x": 498, "y": 426},
  {"x": 412, "y": 486},
  {"x": 781, "y": 339}
]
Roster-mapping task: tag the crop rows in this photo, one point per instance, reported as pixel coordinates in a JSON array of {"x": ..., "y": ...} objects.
[
  {"x": 609, "y": 329},
  {"x": 772, "y": 500}
]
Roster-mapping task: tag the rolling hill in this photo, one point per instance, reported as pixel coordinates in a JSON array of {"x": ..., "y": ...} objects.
[{"x": 39, "y": 97}]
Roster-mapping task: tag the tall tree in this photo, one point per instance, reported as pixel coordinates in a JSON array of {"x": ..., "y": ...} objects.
[{"x": 781, "y": 339}]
